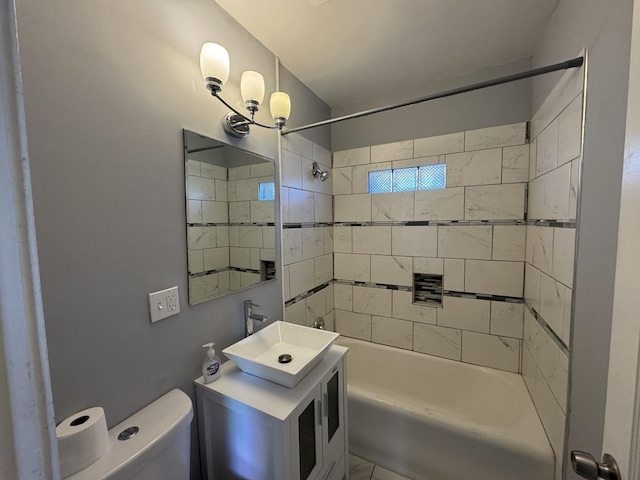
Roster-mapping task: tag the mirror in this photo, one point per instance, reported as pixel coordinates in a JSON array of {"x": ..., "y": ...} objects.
[{"x": 230, "y": 199}]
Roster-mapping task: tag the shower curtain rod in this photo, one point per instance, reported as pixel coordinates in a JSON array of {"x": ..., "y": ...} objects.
[{"x": 573, "y": 63}]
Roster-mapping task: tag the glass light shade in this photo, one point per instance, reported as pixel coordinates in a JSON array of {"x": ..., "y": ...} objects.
[
  {"x": 252, "y": 86},
  {"x": 280, "y": 105},
  {"x": 214, "y": 62}
]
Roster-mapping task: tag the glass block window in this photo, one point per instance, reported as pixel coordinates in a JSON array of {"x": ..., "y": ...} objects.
[
  {"x": 426, "y": 177},
  {"x": 267, "y": 191}
]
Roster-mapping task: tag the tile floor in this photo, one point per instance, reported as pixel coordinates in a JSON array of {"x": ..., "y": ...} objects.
[{"x": 361, "y": 469}]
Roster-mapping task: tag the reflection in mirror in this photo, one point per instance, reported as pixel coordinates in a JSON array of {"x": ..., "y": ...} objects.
[{"x": 230, "y": 218}]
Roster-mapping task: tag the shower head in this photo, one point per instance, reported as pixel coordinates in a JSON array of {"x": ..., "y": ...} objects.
[{"x": 317, "y": 173}]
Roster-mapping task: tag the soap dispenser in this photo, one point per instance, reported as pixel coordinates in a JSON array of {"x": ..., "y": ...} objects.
[{"x": 211, "y": 365}]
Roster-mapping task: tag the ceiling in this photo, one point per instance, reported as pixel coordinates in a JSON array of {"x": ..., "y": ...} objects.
[{"x": 350, "y": 50}]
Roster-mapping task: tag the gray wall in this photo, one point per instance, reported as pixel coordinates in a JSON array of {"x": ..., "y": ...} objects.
[
  {"x": 109, "y": 86},
  {"x": 510, "y": 103},
  {"x": 605, "y": 27}
]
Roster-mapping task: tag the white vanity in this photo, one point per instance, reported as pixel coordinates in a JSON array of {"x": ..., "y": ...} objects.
[{"x": 254, "y": 429}]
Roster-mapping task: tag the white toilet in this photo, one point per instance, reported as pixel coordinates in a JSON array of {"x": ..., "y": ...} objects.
[{"x": 160, "y": 450}]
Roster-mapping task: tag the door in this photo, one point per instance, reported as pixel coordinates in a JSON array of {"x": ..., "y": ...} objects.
[
  {"x": 333, "y": 410},
  {"x": 621, "y": 424},
  {"x": 306, "y": 436}
]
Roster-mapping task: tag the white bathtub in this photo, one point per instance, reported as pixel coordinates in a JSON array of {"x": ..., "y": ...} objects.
[{"x": 430, "y": 418}]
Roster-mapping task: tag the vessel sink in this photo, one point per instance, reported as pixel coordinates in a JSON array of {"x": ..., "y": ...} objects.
[{"x": 282, "y": 353}]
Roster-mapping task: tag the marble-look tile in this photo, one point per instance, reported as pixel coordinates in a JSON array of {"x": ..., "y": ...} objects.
[
  {"x": 214, "y": 171},
  {"x": 465, "y": 314},
  {"x": 245, "y": 189},
  {"x": 539, "y": 251},
  {"x": 222, "y": 233},
  {"x": 302, "y": 277},
  {"x": 442, "y": 144},
  {"x": 291, "y": 245},
  {"x": 433, "y": 266},
  {"x": 392, "y": 151},
  {"x": 482, "y": 167},
  {"x": 263, "y": 211},
  {"x": 349, "y": 158},
  {"x": 453, "y": 279},
  {"x": 321, "y": 154},
  {"x": 561, "y": 95},
  {"x": 201, "y": 288},
  {"x": 404, "y": 308},
  {"x": 397, "y": 206},
  {"x": 342, "y": 239},
  {"x": 355, "y": 325},
  {"x": 566, "y": 319},
  {"x": 222, "y": 190},
  {"x": 391, "y": 270},
  {"x": 312, "y": 242},
  {"x": 291, "y": 168},
  {"x": 194, "y": 211},
  {"x": 549, "y": 195},
  {"x": 573, "y": 189},
  {"x": 195, "y": 259},
  {"x": 438, "y": 341},
  {"x": 236, "y": 173},
  {"x": 268, "y": 254},
  {"x": 235, "y": 282},
  {"x": 392, "y": 332},
  {"x": 216, "y": 258},
  {"x": 380, "y": 473},
  {"x": 552, "y": 295},
  {"x": 315, "y": 306},
  {"x": 359, "y": 468},
  {"x": 323, "y": 269},
  {"x": 298, "y": 144},
  {"x": 570, "y": 132},
  {"x": 295, "y": 313},
  {"x": 533, "y": 153},
  {"x": 309, "y": 182},
  {"x": 444, "y": 204},
  {"x": 330, "y": 297},
  {"x": 352, "y": 267},
  {"x": 492, "y": 137},
  {"x": 495, "y": 278},
  {"x": 342, "y": 180},
  {"x": 515, "y": 164},
  {"x": 240, "y": 257},
  {"x": 240, "y": 212},
  {"x": 491, "y": 351},
  {"x": 199, "y": 188},
  {"x": 234, "y": 235},
  {"x": 352, "y": 208},
  {"x": 201, "y": 237},
  {"x": 418, "y": 241},
  {"x": 255, "y": 259},
  {"x": 323, "y": 208},
  {"x": 509, "y": 242},
  {"x": 343, "y": 296},
  {"x": 193, "y": 167},
  {"x": 547, "y": 156},
  {"x": 217, "y": 212},
  {"x": 532, "y": 286},
  {"x": 268, "y": 236},
  {"x": 284, "y": 205},
  {"x": 223, "y": 281},
  {"x": 328, "y": 239},
  {"x": 416, "y": 162},
  {"x": 495, "y": 202},
  {"x": 372, "y": 240},
  {"x": 301, "y": 206},
  {"x": 465, "y": 242},
  {"x": 376, "y": 301},
  {"x": 507, "y": 319},
  {"x": 250, "y": 236},
  {"x": 564, "y": 243},
  {"x": 265, "y": 169},
  {"x": 360, "y": 181}
]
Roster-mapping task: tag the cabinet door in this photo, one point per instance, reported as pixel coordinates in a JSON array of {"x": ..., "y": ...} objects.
[
  {"x": 306, "y": 436},
  {"x": 333, "y": 428}
]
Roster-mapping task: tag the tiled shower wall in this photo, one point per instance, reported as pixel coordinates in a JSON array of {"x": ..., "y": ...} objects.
[
  {"x": 473, "y": 232},
  {"x": 307, "y": 236},
  {"x": 556, "y": 132}
]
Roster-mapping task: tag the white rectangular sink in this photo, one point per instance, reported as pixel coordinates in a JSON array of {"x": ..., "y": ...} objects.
[{"x": 262, "y": 353}]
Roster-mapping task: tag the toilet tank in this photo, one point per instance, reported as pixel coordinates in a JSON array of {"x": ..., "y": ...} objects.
[{"x": 159, "y": 450}]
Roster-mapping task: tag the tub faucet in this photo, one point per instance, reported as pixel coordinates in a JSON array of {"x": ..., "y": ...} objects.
[{"x": 249, "y": 317}]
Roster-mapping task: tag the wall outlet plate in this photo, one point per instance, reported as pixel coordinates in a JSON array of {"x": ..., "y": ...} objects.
[{"x": 164, "y": 303}]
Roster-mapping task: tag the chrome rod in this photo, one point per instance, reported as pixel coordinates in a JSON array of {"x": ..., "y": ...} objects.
[{"x": 573, "y": 63}]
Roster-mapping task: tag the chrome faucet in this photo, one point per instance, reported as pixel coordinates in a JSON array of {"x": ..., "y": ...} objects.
[{"x": 249, "y": 317}]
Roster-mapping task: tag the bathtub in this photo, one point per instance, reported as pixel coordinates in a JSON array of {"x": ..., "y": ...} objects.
[{"x": 435, "y": 419}]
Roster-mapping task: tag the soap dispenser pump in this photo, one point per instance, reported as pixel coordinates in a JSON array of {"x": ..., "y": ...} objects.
[{"x": 211, "y": 365}]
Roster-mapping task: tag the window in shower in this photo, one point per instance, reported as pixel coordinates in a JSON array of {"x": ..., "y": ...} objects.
[
  {"x": 426, "y": 177},
  {"x": 267, "y": 191}
]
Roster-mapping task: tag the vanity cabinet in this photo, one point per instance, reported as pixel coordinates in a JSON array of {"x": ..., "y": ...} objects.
[{"x": 257, "y": 430}]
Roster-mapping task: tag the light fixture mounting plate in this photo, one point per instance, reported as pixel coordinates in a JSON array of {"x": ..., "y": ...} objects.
[{"x": 235, "y": 125}]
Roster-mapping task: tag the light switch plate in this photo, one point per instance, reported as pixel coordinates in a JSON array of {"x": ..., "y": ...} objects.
[{"x": 164, "y": 303}]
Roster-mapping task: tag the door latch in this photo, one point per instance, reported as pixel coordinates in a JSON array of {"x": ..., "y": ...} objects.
[{"x": 586, "y": 466}]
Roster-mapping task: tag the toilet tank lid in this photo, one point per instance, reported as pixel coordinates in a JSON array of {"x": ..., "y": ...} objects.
[{"x": 159, "y": 423}]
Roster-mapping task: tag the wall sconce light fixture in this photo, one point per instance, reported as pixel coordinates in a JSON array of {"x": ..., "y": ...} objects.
[
  {"x": 317, "y": 173},
  {"x": 214, "y": 65}
]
